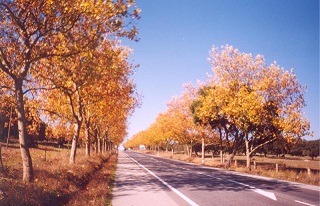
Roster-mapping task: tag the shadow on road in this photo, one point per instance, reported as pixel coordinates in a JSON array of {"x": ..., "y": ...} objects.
[{"x": 199, "y": 178}]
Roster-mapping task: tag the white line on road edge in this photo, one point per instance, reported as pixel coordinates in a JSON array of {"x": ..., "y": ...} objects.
[
  {"x": 303, "y": 203},
  {"x": 166, "y": 184}
]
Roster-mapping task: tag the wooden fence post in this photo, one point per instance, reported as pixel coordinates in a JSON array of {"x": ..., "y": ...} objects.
[{"x": 309, "y": 171}]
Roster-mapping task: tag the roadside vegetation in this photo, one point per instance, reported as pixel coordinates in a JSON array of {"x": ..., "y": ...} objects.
[
  {"x": 246, "y": 107},
  {"x": 64, "y": 74},
  {"x": 87, "y": 182}
]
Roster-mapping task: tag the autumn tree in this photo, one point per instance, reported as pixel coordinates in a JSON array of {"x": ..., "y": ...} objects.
[
  {"x": 88, "y": 86},
  {"x": 261, "y": 103},
  {"x": 154, "y": 136},
  {"x": 95, "y": 92},
  {"x": 181, "y": 117},
  {"x": 7, "y": 114},
  {"x": 114, "y": 96},
  {"x": 36, "y": 30},
  {"x": 136, "y": 140},
  {"x": 175, "y": 126},
  {"x": 109, "y": 124},
  {"x": 28, "y": 30}
]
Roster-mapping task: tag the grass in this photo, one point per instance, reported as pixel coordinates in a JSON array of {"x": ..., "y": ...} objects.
[
  {"x": 56, "y": 181},
  {"x": 291, "y": 168},
  {"x": 90, "y": 180}
]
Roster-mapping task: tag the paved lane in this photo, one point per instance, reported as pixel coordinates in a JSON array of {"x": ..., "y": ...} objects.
[
  {"x": 134, "y": 186},
  {"x": 208, "y": 186}
]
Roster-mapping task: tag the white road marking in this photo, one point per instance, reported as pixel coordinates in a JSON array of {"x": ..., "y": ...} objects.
[
  {"x": 304, "y": 203},
  {"x": 166, "y": 184},
  {"x": 240, "y": 183},
  {"x": 270, "y": 195}
]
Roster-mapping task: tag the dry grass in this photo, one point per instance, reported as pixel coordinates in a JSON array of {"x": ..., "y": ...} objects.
[
  {"x": 56, "y": 181},
  {"x": 290, "y": 168}
]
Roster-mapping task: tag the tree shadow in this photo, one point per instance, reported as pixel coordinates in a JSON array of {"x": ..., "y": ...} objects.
[{"x": 181, "y": 175}]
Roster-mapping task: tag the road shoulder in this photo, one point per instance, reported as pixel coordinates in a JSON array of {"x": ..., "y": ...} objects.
[{"x": 134, "y": 186}]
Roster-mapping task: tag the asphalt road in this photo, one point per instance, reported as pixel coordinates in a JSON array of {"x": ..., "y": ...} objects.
[{"x": 149, "y": 180}]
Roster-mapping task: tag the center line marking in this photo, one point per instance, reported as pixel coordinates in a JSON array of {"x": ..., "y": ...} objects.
[{"x": 166, "y": 184}]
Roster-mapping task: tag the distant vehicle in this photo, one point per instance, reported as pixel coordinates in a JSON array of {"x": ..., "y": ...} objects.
[{"x": 142, "y": 147}]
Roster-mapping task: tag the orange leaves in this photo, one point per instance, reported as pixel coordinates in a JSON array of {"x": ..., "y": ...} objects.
[
  {"x": 173, "y": 126},
  {"x": 93, "y": 87},
  {"x": 243, "y": 86},
  {"x": 244, "y": 99},
  {"x": 42, "y": 46}
]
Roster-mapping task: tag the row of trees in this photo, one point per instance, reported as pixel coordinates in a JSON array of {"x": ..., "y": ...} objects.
[
  {"x": 306, "y": 148},
  {"x": 61, "y": 62},
  {"x": 245, "y": 103}
]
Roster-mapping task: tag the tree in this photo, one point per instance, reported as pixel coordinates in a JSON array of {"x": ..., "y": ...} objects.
[
  {"x": 312, "y": 148},
  {"x": 38, "y": 30},
  {"x": 10, "y": 120},
  {"x": 95, "y": 92},
  {"x": 207, "y": 109},
  {"x": 181, "y": 119},
  {"x": 113, "y": 95},
  {"x": 260, "y": 103}
]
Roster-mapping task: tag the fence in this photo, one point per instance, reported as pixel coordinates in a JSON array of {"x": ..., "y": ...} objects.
[{"x": 276, "y": 166}]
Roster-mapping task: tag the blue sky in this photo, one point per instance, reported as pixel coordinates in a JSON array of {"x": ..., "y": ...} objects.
[{"x": 176, "y": 36}]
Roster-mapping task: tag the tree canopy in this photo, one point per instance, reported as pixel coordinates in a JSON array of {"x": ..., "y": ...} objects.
[
  {"x": 41, "y": 39},
  {"x": 245, "y": 102}
]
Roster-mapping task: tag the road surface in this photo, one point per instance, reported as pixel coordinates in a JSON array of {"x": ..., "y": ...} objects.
[{"x": 149, "y": 180}]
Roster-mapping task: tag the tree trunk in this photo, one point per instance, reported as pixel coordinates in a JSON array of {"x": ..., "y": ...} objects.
[
  {"x": 74, "y": 144},
  {"x": 96, "y": 145},
  {"x": 28, "y": 175},
  {"x": 108, "y": 146},
  {"x": 230, "y": 158},
  {"x": 187, "y": 150},
  {"x": 158, "y": 152},
  {"x": 96, "y": 141},
  {"x": 220, "y": 146},
  {"x": 248, "y": 154},
  {"x": 9, "y": 127},
  {"x": 104, "y": 145},
  {"x": 202, "y": 151},
  {"x": 2, "y": 168},
  {"x": 99, "y": 145},
  {"x": 88, "y": 142},
  {"x": 249, "y": 161}
]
